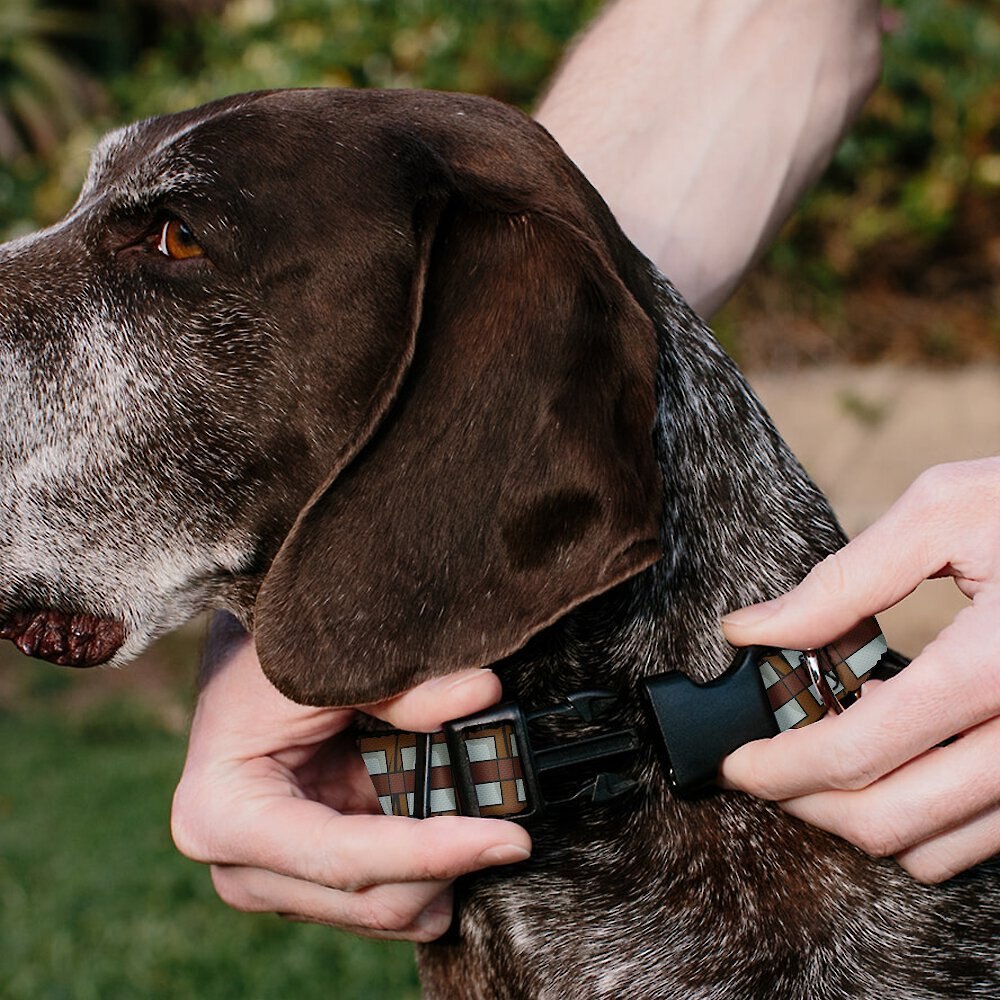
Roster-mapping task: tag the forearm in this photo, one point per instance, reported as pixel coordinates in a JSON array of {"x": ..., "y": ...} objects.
[{"x": 703, "y": 121}]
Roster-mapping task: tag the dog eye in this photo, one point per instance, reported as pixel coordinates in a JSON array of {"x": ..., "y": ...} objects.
[{"x": 177, "y": 241}]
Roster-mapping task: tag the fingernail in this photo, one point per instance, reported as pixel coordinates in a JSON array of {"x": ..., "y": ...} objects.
[
  {"x": 434, "y": 921},
  {"x": 753, "y": 615},
  {"x": 503, "y": 854}
]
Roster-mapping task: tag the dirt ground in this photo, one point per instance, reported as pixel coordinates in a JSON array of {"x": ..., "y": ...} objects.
[{"x": 865, "y": 433}]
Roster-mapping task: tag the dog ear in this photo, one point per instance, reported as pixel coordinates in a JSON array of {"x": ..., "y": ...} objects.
[{"x": 511, "y": 477}]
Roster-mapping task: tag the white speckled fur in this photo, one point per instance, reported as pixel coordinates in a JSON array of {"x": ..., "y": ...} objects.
[{"x": 156, "y": 448}]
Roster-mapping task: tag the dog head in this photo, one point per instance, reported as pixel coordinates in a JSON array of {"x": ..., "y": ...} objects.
[{"x": 364, "y": 368}]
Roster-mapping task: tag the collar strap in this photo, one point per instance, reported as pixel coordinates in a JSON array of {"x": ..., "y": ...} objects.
[{"x": 495, "y": 763}]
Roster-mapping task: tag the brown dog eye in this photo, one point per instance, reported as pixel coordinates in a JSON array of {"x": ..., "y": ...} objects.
[{"x": 178, "y": 242}]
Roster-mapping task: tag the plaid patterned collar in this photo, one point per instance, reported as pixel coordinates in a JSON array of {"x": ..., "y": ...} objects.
[{"x": 494, "y": 764}]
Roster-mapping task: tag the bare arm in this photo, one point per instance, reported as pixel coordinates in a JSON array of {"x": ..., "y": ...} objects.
[{"x": 703, "y": 121}]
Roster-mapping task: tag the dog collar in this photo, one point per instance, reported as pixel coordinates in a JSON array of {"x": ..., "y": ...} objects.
[{"x": 495, "y": 763}]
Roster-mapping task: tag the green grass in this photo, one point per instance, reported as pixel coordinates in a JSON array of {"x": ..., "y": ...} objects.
[{"x": 95, "y": 902}]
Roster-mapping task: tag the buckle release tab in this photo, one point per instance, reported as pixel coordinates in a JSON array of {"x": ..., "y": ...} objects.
[{"x": 699, "y": 724}]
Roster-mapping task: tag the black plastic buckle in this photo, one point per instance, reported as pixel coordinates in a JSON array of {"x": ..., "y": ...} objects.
[
  {"x": 700, "y": 724},
  {"x": 540, "y": 762}
]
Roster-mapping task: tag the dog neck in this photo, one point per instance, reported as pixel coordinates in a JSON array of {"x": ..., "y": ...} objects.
[
  {"x": 731, "y": 529},
  {"x": 660, "y": 896}
]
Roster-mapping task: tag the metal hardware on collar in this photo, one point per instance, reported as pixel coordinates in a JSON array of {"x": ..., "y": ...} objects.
[
  {"x": 495, "y": 763},
  {"x": 764, "y": 691},
  {"x": 810, "y": 657},
  {"x": 491, "y": 763},
  {"x": 540, "y": 762},
  {"x": 501, "y": 717}
]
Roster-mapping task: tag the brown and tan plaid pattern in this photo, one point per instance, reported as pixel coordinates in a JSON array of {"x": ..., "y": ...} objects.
[
  {"x": 395, "y": 766},
  {"x": 496, "y": 770},
  {"x": 403, "y": 765},
  {"x": 391, "y": 760},
  {"x": 847, "y": 662}
]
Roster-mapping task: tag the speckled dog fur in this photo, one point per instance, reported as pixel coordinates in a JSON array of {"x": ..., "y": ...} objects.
[{"x": 420, "y": 406}]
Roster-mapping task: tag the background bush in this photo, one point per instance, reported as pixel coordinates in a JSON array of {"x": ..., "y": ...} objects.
[
  {"x": 924, "y": 159},
  {"x": 908, "y": 210},
  {"x": 147, "y": 59}
]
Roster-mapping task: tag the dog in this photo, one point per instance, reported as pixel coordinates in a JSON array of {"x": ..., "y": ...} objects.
[{"x": 378, "y": 373}]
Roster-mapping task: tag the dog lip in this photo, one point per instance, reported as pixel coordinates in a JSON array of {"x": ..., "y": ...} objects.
[{"x": 71, "y": 639}]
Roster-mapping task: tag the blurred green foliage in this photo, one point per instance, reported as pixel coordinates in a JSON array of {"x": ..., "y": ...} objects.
[
  {"x": 184, "y": 56},
  {"x": 918, "y": 179},
  {"x": 921, "y": 171},
  {"x": 43, "y": 93},
  {"x": 98, "y": 904},
  {"x": 504, "y": 48}
]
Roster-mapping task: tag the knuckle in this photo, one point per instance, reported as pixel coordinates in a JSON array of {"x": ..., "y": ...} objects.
[
  {"x": 932, "y": 482},
  {"x": 426, "y": 935},
  {"x": 187, "y": 827},
  {"x": 388, "y": 914},
  {"x": 339, "y": 868},
  {"x": 334, "y": 879},
  {"x": 937, "y": 488},
  {"x": 945, "y": 507},
  {"x": 852, "y": 768},
  {"x": 337, "y": 877},
  {"x": 428, "y": 929},
  {"x": 393, "y": 922},
  {"x": 875, "y": 836},
  {"x": 230, "y": 888},
  {"x": 926, "y": 868},
  {"x": 433, "y": 861},
  {"x": 829, "y": 577},
  {"x": 326, "y": 867},
  {"x": 335, "y": 874}
]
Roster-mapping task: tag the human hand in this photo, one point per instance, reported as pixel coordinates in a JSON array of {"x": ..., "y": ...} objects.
[
  {"x": 275, "y": 797},
  {"x": 876, "y": 775}
]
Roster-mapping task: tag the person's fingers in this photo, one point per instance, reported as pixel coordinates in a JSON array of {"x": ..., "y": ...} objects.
[
  {"x": 416, "y": 911},
  {"x": 241, "y": 716},
  {"x": 235, "y": 670},
  {"x": 943, "y": 692},
  {"x": 876, "y": 775},
  {"x": 939, "y": 858},
  {"x": 426, "y": 706},
  {"x": 924, "y": 534},
  {"x": 857, "y": 581},
  {"x": 305, "y": 840},
  {"x": 943, "y": 789}
]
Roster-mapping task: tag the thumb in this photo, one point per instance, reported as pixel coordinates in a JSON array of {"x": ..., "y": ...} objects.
[
  {"x": 880, "y": 567},
  {"x": 424, "y": 707}
]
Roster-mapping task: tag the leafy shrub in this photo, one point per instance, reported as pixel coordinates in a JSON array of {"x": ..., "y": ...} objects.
[
  {"x": 44, "y": 91},
  {"x": 505, "y": 48},
  {"x": 912, "y": 198},
  {"x": 924, "y": 158}
]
